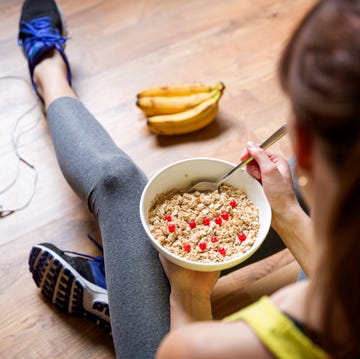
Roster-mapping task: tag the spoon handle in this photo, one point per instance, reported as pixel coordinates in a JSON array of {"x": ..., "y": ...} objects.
[{"x": 279, "y": 133}]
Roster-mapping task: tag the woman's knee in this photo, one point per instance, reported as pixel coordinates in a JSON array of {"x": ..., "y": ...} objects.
[{"x": 118, "y": 173}]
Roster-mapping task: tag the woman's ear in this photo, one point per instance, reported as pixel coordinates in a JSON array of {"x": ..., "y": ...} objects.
[{"x": 302, "y": 145}]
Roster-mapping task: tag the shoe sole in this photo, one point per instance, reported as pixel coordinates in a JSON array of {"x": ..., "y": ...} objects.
[{"x": 63, "y": 286}]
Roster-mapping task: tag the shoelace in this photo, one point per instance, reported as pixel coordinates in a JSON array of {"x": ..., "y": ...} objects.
[
  {"x": 94, "y": 258},
  {"x": 97, "y": 244},
  {"x": 40, "y": 30}
]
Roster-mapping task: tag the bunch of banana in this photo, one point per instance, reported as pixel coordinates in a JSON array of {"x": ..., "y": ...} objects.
[{"x": 180, "y": 109}]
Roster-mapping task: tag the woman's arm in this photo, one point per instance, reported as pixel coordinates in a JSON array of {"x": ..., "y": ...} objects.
[
  {"x": 186, "y": 307},
  {"x": 190, "y": 294},
  {"x": 295, "y": 228},
  {"x": 212, "y": 340},
  {"x": 192, "y": 334},
  {"x": 289, "y": 220}
]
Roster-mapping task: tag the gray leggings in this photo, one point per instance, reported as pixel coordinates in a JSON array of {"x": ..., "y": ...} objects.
[{"x": 109, "y": 182}]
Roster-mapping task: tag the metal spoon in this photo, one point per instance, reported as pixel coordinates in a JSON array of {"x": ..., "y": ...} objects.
[{"x": 207, "y": 186}]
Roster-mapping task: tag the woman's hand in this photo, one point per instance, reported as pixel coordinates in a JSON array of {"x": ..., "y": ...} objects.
[
  {"x": 289, "y": 220},
  {"x": 189, "y": 281},
  {"x": 190, "y": 294},
  {"x": 273, "y": 172}
]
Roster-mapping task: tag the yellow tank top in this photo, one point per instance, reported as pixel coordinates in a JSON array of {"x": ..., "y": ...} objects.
[{"x": 277, "y": 332}]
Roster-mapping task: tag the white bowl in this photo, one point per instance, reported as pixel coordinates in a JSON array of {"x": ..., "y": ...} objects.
[{"x": 181, "y": 175}]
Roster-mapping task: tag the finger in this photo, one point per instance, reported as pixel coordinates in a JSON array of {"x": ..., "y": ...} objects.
[
  {"x": 244, "y": 155},
  {"x": 253, "y": 169},
  {"x": 260, "y": 157},
  {"x": 276, "y": 158},
  {"x": 162, "y": 260}
]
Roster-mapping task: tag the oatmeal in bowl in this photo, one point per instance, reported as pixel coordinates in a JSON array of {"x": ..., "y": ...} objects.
[
  {"x": 204, "y": 231},
  {"x": 205, "y": 227}
]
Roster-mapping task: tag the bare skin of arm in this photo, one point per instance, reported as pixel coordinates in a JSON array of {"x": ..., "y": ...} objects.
[
  {"x": 212, "y": 340},
  {"x": 192, "y": 333},
  {"x": 289, "y": 220},
  {"x": 194, "y": 336}
]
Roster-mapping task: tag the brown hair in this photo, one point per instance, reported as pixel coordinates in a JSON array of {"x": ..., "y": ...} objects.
[{"x": 320, "y": 72}]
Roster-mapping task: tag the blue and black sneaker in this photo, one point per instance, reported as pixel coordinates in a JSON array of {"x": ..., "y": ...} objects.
[
  {"x": 74, "y": 284},
  {"x": 41, "y": 30}
]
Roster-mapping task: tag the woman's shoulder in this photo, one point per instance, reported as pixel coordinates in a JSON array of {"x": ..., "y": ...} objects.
[
  {"x": 223, "y": 338},
  {"x": 292, "y": 297}
]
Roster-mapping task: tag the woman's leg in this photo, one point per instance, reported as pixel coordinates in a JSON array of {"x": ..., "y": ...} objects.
[{"x": 111, "y": 185}]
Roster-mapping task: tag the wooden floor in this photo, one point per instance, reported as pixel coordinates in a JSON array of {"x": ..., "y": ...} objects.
[{"x": 117, "y": 48}]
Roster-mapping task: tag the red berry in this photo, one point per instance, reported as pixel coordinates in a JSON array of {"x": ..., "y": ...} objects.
[
  {"x": 233, "y": 203},
  {"x": 171, "y": 227},
  {"x": 225, "y": 215},
  {"x": 168, "y": 217},
  {"x": 187, "y": 247},
  {"x": 242, "y": 237},
  {"x": 206, "y": 221},
  {"x": 192, "y": 224},
  {"x": 214, "y": 239},
  {"x": 218, "y": 221},
  {"x": 222, "y": 250},
  {"x": 202, "y": 246}
]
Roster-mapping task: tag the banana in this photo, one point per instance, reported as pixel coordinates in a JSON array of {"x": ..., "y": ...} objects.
[
  {"x": 180, "y": 90},
  {"x": 186, "y": 121},
  {"x": 162, "y": 105}
]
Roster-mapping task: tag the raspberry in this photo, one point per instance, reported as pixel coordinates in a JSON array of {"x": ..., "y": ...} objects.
[
  {"x": 233, "y": 203},
  {"x": 171, "y": 228},
  {"x": 192, "y": 224},
  {"x": 206, "y": 221},
  {"x": 225, "y": 215},
  {"x": 242, "y": 237},
  {"x": 202, "y": 246}
]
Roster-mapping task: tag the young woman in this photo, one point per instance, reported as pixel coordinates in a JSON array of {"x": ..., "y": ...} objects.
[
  {"x": 315, "y": 318},
  {"x": 320, "y": 317}
]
